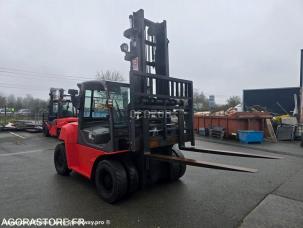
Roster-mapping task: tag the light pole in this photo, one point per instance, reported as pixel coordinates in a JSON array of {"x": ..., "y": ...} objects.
[
  {"x": 301, "y": 87},
  {"x": 5, "y": 104}
]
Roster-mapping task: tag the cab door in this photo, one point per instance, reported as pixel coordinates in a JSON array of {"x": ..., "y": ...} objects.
[{"x": 95, "y": 128}]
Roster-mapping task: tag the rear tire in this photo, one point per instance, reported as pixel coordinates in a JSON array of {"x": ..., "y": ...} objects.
[
  {"x": 176, "y": 170},
  {"x": 111, "y": 180},
  {"x": 60, "y": 160},
  {"x": 45, "y": 130},
  {"x": 132, "y": 175}
]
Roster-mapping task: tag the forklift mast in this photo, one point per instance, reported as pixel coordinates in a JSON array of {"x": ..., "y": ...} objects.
[
  {"x": 55, "y": 97},
  {"x": 56, "y": 102},
  {"x": 148, "y": 45},
  {"x": 161, "y": 107}
]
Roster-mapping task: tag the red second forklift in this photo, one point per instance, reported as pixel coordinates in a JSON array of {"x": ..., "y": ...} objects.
[
  {"x": 130, "y": 136},
  {"x": 60, "y": 112}
]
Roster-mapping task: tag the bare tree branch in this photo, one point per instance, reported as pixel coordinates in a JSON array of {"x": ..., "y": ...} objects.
[
  {"x": 233, "y": 101},
  {"x": 110, "y": 76}
]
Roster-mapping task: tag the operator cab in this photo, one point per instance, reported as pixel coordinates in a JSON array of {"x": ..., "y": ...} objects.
[
  {"x": 60, "y": 105},
  {"x": 67, "y": 108},
  {"x": 103, "y": 115}
]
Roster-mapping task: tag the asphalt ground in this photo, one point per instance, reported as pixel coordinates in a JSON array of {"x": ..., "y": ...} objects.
[{"x": 30, "y": 188}]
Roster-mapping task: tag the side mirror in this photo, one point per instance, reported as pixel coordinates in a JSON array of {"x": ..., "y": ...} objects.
[
  {"x": 72, "y": 92},
  {"x": 124, "y": 47}
]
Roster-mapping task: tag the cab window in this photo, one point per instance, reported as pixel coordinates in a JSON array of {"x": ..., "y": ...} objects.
[
  {"x": 95, "y": 104},
  {"x": 67, "y": 109},
  {"x": 55, "y": 108},
  {"x": 120, "y": 99}
]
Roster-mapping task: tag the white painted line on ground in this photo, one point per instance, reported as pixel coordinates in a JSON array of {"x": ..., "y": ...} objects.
[
  {"x": 23, "y": 152},
  {"x": 20, "y": 136}
]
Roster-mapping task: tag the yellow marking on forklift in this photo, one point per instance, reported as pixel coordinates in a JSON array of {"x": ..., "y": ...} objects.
[{"x": 20, "y": 136}]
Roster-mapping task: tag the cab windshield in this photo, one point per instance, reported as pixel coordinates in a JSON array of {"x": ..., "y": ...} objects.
[
  {"x": 96, "y": 107},
  {"x": 120, "y": 99},
  {"x": 95, "y": 104},
  {"x": 67, "y": 109}
]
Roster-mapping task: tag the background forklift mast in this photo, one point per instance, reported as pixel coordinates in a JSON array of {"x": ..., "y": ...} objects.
[{"x": 60, "y": 112}]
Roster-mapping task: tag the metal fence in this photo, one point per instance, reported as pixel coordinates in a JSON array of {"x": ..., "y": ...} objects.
[{"x": 10, "y": 117}]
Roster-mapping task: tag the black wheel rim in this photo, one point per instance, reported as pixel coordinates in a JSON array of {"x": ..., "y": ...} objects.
[{"x": 106, "y": 181}]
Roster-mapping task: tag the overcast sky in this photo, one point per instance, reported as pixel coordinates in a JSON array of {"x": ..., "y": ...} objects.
[{"x": 223, "y": 46}]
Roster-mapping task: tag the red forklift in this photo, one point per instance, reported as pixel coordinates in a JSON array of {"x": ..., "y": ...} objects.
[
  {"x": 60, "y": 112},
  {"x": 130, "y": 136}
]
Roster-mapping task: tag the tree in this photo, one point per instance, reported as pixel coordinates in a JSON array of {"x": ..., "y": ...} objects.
[
  {"x": 36, "y": 105},
  {"x": 110, "y": 76},
  {"x": 19, "y": 103},
  {"x": 11, "y": 101},
  {"x": 233, "y": 101},
  {"x": 200, "y": 102},
  {"x": 2, "y": 101},
  {"x": 28, "y": 101}
]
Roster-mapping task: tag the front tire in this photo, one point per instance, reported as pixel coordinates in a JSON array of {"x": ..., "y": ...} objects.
[
  {"x": 111, "y": 180},
  {"x": 177, "y": 170},
  {"x": 60, "y": 160}
]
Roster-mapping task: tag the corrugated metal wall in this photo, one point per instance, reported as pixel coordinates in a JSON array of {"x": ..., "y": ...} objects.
[{"x": 269, "y": 97}]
